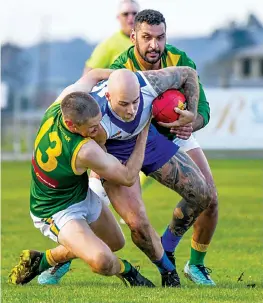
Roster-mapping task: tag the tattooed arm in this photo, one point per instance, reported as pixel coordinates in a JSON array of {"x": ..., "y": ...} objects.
[
  {"x": 177, "y": 77},
  {"x": 198, "y": 123}
]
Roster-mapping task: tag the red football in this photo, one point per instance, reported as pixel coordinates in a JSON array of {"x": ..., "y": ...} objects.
[{"x": 164, "y": 104}]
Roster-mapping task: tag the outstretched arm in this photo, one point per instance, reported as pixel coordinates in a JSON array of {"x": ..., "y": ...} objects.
[{"x": 87, "y": 82}]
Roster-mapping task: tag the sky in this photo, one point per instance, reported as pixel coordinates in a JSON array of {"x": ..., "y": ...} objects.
[{"x": 25, "y": 22}]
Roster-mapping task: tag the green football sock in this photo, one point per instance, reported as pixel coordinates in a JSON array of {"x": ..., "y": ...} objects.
[
  {"x": 198, "y": 252},
  {"x": 125, "y": 266},
  {"x": 46, "y": 261},
  {"x": 197, "y": 257}
]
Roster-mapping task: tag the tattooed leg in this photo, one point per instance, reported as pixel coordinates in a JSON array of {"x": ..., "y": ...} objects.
[{"x": 182, "y": 175}]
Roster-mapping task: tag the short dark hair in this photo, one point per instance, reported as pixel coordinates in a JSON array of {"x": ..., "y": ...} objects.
[
  {"x": 149, "y": 16},
  {"x": 79, "y": 107}
]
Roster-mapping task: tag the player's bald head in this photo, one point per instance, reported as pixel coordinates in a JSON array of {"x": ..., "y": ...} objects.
[
  {"x": 123, "y": 85},
  {"x": 124, "y": 94}
]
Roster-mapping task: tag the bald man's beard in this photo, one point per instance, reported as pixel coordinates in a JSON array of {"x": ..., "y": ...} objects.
[{"x": 144, "y": 55}]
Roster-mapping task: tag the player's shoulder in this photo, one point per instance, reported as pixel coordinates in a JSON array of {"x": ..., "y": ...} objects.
[
  {"x": 99, "y": 89},
  {"x": 125, "y": 56},
  {"x": 86, "y": 153},
  {"x": 174, "y": 50},
  {"x": 88, "y": 148},
  {"x": 145, "y": 85},
  {"x": 178, "y": 56},
  {"x": 92, "y": 148},
  {"x": 54, "y": 108},
  {"x": 141, "y": 78}
]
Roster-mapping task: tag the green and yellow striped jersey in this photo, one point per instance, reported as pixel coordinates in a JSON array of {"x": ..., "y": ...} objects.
[
  {"x": 172, "y": 56},
  {"x": 55, "y": 182}
]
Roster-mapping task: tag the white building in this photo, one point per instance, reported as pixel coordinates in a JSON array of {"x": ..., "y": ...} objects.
[{"x": 248, "y": 67}]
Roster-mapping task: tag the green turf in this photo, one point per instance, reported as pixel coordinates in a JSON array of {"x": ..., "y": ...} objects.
[{"x": 236, "y": 247}]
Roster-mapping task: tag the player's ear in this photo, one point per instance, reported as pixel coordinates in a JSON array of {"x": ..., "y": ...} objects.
[
  {"x": 69, "y": 124},
  {"x": 133, "y": 36}
]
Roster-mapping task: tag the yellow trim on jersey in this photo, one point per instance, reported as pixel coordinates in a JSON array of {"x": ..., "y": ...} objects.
[
  {"x": 142, "y": 68},
  {"x": 75, "y": 153},
  {"x": 198, "y": 246},
  {"x": 54, "y": 103},
  {"x": 129, "y": 65},
  {"x": 172, "y": 59}
]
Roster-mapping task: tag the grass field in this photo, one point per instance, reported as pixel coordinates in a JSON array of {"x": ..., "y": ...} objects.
[{"x": 236, "y": 247}]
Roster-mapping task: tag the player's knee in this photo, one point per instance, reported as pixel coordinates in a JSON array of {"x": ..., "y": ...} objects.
[
  {"x": 207, "y": 197},
  {"x": 118, "y": 244},
  {"x": 139, "y": 225},
  {"x": 103, "y": 263},
  {"x": 212, "y": 209}
]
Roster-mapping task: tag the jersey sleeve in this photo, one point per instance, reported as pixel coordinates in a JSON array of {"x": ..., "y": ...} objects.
[
  {"x": 100, "y": 57},
  {"x": 203, "y": 105},
  {"x": 118, "y": 63},
  {"x": 146, "y": 87}
]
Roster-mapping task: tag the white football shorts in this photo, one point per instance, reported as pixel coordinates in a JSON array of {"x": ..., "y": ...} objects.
[
  {"x": 186, "y": 145},
  {"x": 88, "y": 209}
]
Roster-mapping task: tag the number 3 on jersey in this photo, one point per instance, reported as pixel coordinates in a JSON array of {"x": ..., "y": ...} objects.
[{"x": 52, "y": 153}]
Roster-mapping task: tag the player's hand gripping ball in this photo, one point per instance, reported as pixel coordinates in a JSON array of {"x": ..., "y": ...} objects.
[{"x": 164, "y": 104}]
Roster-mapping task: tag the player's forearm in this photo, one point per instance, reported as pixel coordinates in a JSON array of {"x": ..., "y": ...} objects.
[
  {"x": 86, "y": 70},
  {"x": 98, "y": 74},
  {"x": 90, "y": 79},
  {"x": 109, "y": 168},
  {"x": 198, "y": 123},
  {"x": 135, "y": 162},
  {"x": 176, "y": 77},
  {"x": 191, "y": 91}
]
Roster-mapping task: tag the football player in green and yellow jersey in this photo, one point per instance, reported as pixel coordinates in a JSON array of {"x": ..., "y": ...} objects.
[
  {"x": 150, "y": 52},
  {"x": 62, "y": 206}
]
